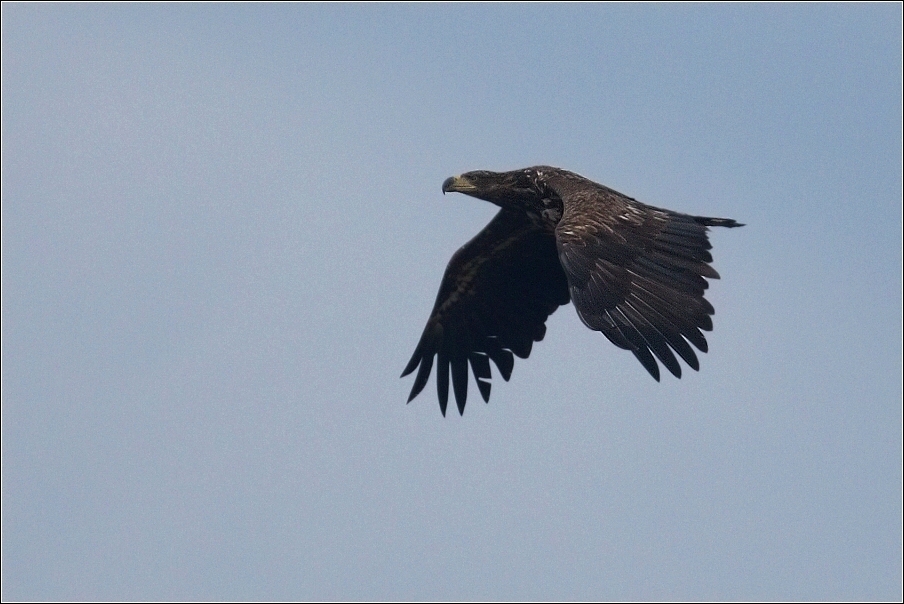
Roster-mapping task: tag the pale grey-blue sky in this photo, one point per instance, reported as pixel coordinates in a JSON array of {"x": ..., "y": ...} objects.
[{"x": 223, "y": 231}]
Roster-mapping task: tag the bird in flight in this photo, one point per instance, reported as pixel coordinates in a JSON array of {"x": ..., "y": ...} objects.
[{"x": 634, "y": 272}]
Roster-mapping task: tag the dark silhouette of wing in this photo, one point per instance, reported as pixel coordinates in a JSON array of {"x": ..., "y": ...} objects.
[
  {"x": 495, "y": 296},
  {"x": 637, "y": 273}
]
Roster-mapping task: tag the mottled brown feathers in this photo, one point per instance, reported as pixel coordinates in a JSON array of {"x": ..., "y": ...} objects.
[{"x": 634, "y": 272}]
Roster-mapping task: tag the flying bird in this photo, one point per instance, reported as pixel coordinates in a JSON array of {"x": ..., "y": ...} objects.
[{"x": 634, "y": 272}]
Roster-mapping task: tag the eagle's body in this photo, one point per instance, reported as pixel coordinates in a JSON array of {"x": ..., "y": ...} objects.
[{"x": 634, "y": 272}]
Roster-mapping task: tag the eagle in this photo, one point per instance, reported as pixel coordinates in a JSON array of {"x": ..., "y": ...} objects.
[{"x": 635, "y": 272}]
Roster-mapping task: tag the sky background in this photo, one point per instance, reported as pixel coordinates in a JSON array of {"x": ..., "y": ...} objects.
[{"x": 223, "y": 233}]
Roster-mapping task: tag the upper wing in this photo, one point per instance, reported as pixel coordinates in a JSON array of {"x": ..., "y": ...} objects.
[
  {"x": 496, "y": 294},
  {"x": 636, "y": 273}
]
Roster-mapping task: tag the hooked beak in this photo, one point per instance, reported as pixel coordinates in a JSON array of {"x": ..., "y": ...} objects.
[{"x": 458, "y": 184}]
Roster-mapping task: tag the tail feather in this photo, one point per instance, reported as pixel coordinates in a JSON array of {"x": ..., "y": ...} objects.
[{"x": 722, "y": 222}]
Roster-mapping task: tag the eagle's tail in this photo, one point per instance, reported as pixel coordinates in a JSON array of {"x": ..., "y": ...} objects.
[{"x": 722, "y": 222}]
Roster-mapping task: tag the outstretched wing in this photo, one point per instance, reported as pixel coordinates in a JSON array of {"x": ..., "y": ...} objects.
[
  {"x": 638, "y": 273},
  {"x": 496, "y": 294}
]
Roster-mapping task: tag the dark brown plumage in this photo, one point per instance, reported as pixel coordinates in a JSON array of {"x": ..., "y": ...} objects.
[{"x": 634, "y": 272}]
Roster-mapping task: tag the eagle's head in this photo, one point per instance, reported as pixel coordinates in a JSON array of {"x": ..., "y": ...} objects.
[{"x": 523, "y": 190}]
